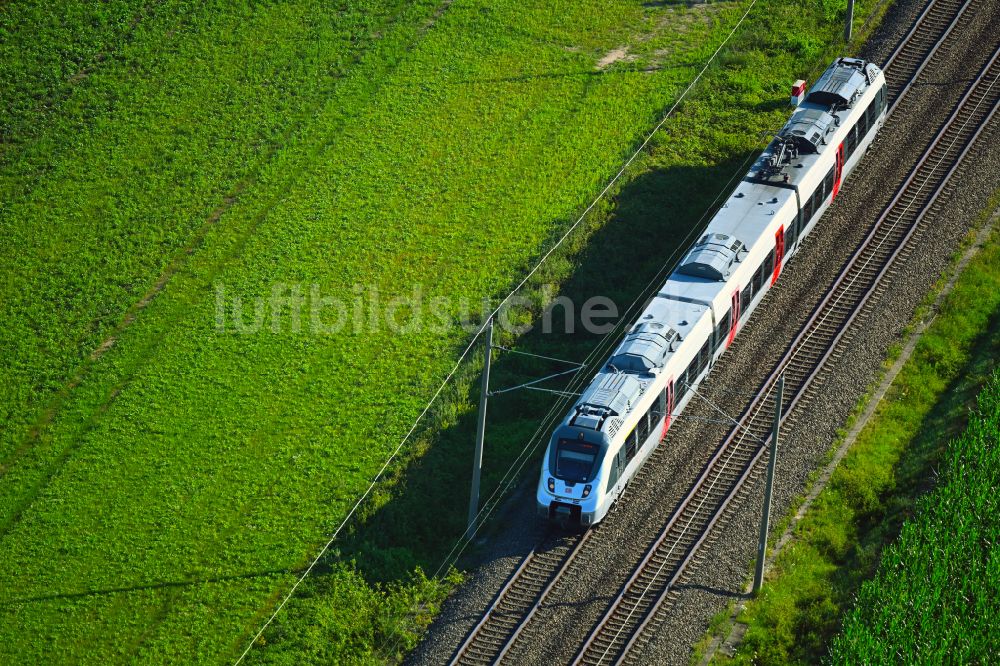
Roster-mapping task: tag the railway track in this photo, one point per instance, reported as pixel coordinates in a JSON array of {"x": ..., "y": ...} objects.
[
  {"x": 518, "y": 600},
  {"x": 636, "y": 611},
  {"x": 938, "y": 20},
  {"x": 541, "y": 570}
]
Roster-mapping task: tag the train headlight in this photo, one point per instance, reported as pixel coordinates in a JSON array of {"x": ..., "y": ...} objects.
[
  {"x": 586, "y": 490},
  {"x": 552, "y": 485}
]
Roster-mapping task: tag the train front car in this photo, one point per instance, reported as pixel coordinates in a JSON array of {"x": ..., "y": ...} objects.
[
  {"x": 611, "y": 430},
  {"x": 570, "y": 491}
]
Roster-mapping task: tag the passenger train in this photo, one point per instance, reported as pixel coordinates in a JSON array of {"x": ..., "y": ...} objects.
[{"x": 627, "y": 409}]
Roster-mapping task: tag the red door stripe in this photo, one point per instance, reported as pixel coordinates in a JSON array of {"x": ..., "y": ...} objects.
[
  {"x": 735, "y": 322},
  {"x": 779, "y": 252},
  {"x": 670, "y": 408},
  {"x": 838, "y": 171}
]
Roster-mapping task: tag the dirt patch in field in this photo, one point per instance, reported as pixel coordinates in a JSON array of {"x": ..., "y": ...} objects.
[{"x": 613, "y": 56}]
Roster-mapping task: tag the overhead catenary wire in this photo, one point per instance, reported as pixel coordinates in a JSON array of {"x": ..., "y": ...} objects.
[
  {"x": 482, "y": 328},
  {"x": 524, "y": 353},
  {"x": 545, "y": 390},
  {"x": 729, "y": 419},
  {"x": 532, "y": 383}
]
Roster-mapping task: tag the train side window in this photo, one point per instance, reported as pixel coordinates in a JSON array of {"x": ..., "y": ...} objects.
[
  {"x": 631, "y": 445},
  {"x": 852, "y": 142},
  {"x": 818, "y": 198},
  {"x": 758, "y": 279},
  {"x": 828, "y": 183},
  {"x": 657, "y": 411},
  {"x": 791, "y": 231},
  {"x": 747, "y": 295},
  {"x": 683, "y": 380},
  {"x": 680, "y": 388},
  {"x": 768, "y": 266},
  {"x": 722, "y": 330},
  {"x": 863, "y": 124},
  {"x": 615, "y": 473},
  {"x": 883, "y": 97},
  {"x": 872, "y": 113},
  {"x": 643, "y": 428},
  {"x": 807, "y": 209},
  {"x": 704, "y": 355}
]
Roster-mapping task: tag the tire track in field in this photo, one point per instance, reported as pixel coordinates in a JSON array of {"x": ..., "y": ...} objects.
[
  {"x": 138, "y": 587},
  {"x": 101, "y": 56}
]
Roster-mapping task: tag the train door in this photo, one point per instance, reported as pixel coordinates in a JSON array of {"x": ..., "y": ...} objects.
[
  {"x": 779, "y": 252},
  {"x": 838, "y": 171},
  {"x": 734, "y": 320},
  {"x": 668, "y": 407}
]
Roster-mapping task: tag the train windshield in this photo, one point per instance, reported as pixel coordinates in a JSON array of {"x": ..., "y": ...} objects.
[{"x": 575, "y": 461}]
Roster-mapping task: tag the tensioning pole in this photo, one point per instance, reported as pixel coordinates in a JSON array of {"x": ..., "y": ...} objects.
[
  {"x": 850, "y": 21},
  {"x": 758, "y": 574},
  {"x": 477, "y": 460}
]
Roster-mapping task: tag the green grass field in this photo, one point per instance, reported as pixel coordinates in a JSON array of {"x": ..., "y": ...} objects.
[{"x": 164, "y": 480}]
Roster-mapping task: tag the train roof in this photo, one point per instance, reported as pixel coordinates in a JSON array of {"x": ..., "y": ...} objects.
[
  {"x": 699, "y": 282},
  {"x": 785, "y": 164}
]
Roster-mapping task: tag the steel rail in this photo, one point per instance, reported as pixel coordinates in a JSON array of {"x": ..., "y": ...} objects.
[
  {"x": 916, "y": 49},
  {"x": 516, "y": 603},
  {"x": 638, "y": 604}
]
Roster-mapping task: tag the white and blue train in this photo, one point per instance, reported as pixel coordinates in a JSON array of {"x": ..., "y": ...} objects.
[{"x": 627, "y": 409}]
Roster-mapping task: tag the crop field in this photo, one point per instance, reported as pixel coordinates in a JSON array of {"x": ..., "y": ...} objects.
[
  {"x": 933, "y": 598},
  {"x": 170, "y": 460}
]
